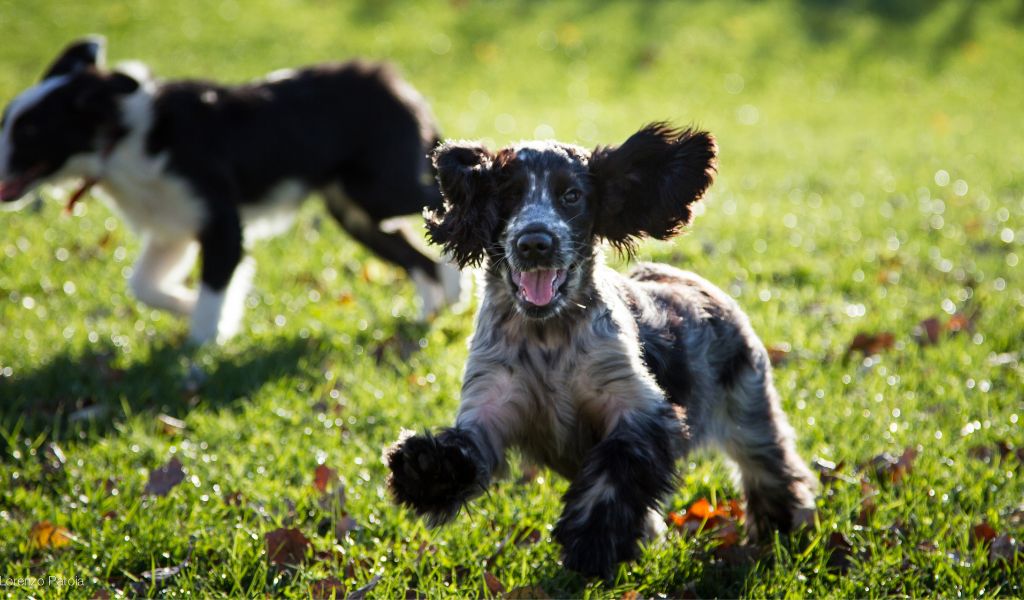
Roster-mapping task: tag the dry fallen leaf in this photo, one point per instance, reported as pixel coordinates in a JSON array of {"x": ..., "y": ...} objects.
[
  {"x": 344, "y": 525},
  {"x": 324, "y": 477},
  {"x": 870, "y": 344},
  {"x": 494, "y": 586},
  {"x": 701, "y": 514},
  {"x": 927, "y": 332},
  {"x": 983, "y": 533},
  {"x": 527, "y": 592},
  {"x": 778, "y": 354},
  {"x": 45, "y": 534},
  {"x": 841, "y": 550},
  {"x": 170, "y": 425},
  {"x": 286, "y": 546},
  {"x": 163, "y": 480},
  {"x": 332, "y": 587},
  {"x": 1004, "y": 547}
]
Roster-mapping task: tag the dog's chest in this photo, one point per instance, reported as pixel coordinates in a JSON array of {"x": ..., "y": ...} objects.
[
  {"x": 560, "y": 427},
  {"x": 152, "y": 200}
]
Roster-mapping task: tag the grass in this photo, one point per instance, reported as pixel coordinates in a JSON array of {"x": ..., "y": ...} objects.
[{"x": 871, "y": 177}]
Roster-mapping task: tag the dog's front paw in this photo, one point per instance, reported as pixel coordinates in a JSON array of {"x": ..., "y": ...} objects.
[
  {"x": 434, "y": 476},
  {"x": 591, "y": 549}
]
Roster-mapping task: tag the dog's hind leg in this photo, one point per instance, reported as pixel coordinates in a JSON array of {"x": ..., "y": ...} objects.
[
  {"x": 158, "y": 275},
  {"x": 779, "y": 488},
  {"x": 437, "y": 287}
]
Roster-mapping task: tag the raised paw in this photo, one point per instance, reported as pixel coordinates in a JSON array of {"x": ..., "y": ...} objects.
[{"x": 434, "y": 475}]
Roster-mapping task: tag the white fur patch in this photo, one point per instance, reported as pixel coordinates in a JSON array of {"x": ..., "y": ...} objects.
[
  {"x": 275, "y": 212},
  {"x": 140, "y": 188},
  {"x": 218, "y": 314},
  {"x": 159, "y": 274}
]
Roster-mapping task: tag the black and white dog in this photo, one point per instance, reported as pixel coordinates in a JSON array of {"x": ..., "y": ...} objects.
[
  {"x": 604, "y": 378},
  {"x": 191, "y": 165}
]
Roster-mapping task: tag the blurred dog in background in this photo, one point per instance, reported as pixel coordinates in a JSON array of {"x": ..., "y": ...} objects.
[
  {"x": 604, "y": 378},
  {"x": 198, "y": 168}
]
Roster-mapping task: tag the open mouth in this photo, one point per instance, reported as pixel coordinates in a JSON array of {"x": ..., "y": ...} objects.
[
  {"x": 539, "y": 287},
  {"x": 15, "y": 187}
]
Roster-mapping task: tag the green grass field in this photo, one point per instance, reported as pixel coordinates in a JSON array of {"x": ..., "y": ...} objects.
[{"x": 871, "y": 177}]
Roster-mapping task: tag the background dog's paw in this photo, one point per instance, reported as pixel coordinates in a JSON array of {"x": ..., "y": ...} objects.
[{"x": 433, "y": 476}]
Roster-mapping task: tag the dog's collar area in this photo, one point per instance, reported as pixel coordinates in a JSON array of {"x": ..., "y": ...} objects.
[{"x": 88, "y": 182}]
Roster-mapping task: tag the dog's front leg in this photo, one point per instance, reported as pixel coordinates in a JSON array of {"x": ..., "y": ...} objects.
[
  {"x": 435, "y": 475},
  {"x": 158, "y": 275},
  {"x": 218, "y": 311},
  {"x": 624, "y": 477}
]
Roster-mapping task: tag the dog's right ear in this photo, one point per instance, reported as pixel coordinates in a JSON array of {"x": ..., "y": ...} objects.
[
  {"x": 78, "y": 56},
  {"x": 466, "y": 223}
]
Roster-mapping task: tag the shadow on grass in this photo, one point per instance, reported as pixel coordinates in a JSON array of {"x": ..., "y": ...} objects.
[{"x": 86, "y": 393}]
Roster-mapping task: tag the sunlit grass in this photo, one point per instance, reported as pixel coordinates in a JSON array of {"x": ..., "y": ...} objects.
[{"x": 871, "y": 177}]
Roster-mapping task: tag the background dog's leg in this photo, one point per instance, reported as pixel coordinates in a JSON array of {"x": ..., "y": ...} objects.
[
  {"x": 159, "y": 274},
  {"x": 393, "y": 246},
  {"x": 220, "y": 306},
  {"x": 778, "y": 486},
  {"x": 607, "y": 506}
]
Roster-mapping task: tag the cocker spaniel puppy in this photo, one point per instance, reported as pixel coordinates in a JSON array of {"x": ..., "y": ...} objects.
[{"x": 605, "y": 378}]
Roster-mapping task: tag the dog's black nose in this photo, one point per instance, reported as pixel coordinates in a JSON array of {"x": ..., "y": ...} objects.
[{"x": 535, "y": 245}]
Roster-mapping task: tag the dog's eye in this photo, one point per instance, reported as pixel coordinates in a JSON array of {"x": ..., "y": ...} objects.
[{"x": 572, "y": 197}]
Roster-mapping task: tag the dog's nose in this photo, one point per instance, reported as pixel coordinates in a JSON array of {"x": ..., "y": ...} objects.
[{"x": 535, "y": 245}]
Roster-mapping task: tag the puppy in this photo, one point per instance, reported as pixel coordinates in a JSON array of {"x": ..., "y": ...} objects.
[
  {"x": 606, "y": 379},
  {"x": 191, "y": 165}
]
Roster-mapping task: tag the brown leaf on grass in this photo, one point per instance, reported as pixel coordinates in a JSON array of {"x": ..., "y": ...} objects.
[
  {"x": 828, "y": 471},
  {"x": 233, "y": 498},
  {"x": 961, "y": 322},
  {"x": 927, "y": 546},
  {"x": 361, "y": 593},
  {"x": 324, "y": 477},
  {"x": 841, "y": 550},
  {"x": 893, "y": 469},
  {"x": 631, "y": 595},
  {"x": 983, "y": 533},
  {"x": 778, "y": 354},
  {"x": 927, "y": 332},
  {"x": 527, "y": 592},
  {"x": 414, "y": 594},
  {"x": 1004, "y": 547},
  {"x": 45, "y": 534},
  {"x": 286, "y": 546},
  {"x": 494, "y": 586},
  {"x": 344, "y": 525},
  {"x": 331, "y": 587},
  {"x": 528, "y": 537},
  {"x": 870, "y": 344},
  {"x": 867, "y": 503},
  {"x": 163, "y": 480}
]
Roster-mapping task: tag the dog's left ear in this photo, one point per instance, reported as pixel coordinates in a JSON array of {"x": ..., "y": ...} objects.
[
  {"x": 465, "y": 224},
  {"x": 645, "y": 186},
  {"x": 78, "y": 56}
]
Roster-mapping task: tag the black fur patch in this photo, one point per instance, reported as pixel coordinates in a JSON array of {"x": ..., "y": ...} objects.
[
  {"x": 436, "y": 475},
  {"x": 637, "y": 461},
  {"x": 645, "y": 186}
]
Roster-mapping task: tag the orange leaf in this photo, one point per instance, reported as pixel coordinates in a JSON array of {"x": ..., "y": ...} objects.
[
  {"x": 45, "y": 534},
  {"x": 927, "y": 332},
  {"x": 870, "y": 344},
  {"x": 493, "y": 584},
  {"x": 323, "y": 476},
  {"x": 983, "y": 533}
]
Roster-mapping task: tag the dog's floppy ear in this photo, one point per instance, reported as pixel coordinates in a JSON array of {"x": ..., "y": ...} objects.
[
  {"x": 645, "y": 186},
  {"x": 466, "y": 222},
  {"x": 78, "y": 56}
]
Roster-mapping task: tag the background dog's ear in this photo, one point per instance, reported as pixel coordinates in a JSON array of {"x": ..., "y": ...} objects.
[
  {"x": 645, "y": 186},
  {"x": 101, "y": 90},
  {"x": 78, "y": 56},
  {"x": 465, "y": 224}
]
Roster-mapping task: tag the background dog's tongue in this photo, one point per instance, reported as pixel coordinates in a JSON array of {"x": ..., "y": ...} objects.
[{"x": 538, "y": 286}]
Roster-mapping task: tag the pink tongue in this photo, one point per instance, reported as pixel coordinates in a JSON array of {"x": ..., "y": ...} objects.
[{"x": 538, "y": 286}]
